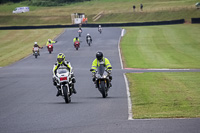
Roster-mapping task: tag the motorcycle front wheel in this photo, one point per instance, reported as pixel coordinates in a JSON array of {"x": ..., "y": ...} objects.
[
  {"x": 66, "y": 94},
  {"x": 103, "y": 89}
]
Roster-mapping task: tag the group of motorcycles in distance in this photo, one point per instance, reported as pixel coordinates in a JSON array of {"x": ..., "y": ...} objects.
[
  {"x": 88, "y": 39},
  {"x": 76, "y": 44}
]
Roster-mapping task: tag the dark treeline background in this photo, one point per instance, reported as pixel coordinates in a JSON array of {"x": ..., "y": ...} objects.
[{"x": 43, "y": 2}]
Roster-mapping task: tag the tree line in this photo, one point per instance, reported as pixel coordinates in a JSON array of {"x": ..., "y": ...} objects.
[
  {"x": 7, "y": 1},
  {"x": 43, "y": 2}
]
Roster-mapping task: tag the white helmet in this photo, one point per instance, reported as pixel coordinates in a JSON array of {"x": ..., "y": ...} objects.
[
  {"x": 99, "y": 25},
  {"x": 35, "y": 42},
  {"x": 88, "y": 34},
  {"x": 49, "y": 39}
]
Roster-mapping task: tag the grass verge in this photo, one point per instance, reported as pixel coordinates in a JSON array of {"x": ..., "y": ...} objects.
[
  {"x": 171, "y": 46},
  {"x": 17, "y": 44},
  {"x": 165, "y": 95}
]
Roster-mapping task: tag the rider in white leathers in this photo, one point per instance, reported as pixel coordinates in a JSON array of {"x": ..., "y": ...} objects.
[{"x": 61, "y": 63}]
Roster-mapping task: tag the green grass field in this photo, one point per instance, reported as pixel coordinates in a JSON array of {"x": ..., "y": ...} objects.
[
  {"x": 17, "y": 44},
  {"x": 113, "y": 11},
  {"x": 171, "y": 46},
  {"x": 163, "y": 95}
]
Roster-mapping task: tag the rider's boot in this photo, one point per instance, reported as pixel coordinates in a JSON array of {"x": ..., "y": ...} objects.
[
  {"x": 58, "y": 92},
  {"x": 73, "y": 89},
  {"x": 110, "y": 84},
  {"x": 95, "y": 82},
  {"x": 110, "y": 78},
  {"x": 73, "y": 81}
]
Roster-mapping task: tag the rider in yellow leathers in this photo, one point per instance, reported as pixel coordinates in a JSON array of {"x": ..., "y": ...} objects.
[{"x": 96, "y": 62}]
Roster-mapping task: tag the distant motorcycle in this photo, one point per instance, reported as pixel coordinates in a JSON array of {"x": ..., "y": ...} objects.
[
  {"x": 100, "y": 30},
  {"x": 89, "y": 41},
  {"x": 36, "y": 52},
  {"x": 102, "y": 79},
  {"x": 79, "y": 32},
  {"x": 77, "y": 45},
  {"x": 50, "y": 48},
  {"x": 64, "y": 82}
]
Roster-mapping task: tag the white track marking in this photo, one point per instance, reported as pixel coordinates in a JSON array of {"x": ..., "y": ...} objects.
[
  {"x": 130, "y": 114},
  {"x": 126, "y": 82},
  {"x": 122, "y": 33}
]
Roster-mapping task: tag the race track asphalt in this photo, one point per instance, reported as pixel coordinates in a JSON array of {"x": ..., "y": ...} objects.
[{"x": 28, "y": 102}]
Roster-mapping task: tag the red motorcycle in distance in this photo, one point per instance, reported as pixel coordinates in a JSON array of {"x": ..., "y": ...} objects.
[
  {"x": 50, "y": 48},
  {"x": 77, "y": 44}
]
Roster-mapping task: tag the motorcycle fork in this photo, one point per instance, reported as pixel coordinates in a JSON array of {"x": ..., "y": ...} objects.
[
  {"x": 104, "y": 81},
  {"x": 61, "y": 89}
]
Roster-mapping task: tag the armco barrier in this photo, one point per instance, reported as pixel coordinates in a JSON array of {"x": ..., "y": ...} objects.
[
  {"x": 195, "y": 20},
  {"x": 36, "y": 27},
  {"x": 180, "y": 21}
]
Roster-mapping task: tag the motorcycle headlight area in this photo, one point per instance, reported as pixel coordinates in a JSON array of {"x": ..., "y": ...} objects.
[
  {"x": 104, "y": 76},
  {"x": 63, "y": 78}
]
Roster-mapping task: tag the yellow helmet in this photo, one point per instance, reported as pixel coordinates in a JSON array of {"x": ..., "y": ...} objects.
[{"x": 60, "y": 58}]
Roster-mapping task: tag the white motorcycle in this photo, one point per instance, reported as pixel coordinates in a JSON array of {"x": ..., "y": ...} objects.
[
  {"x": 79, "y": 32},
  {"x": 64, "y": 82},
  {"x": 100, "y": 30},
  {"x": 36, "y": 52},
  {"x": 89, "y": 41}
]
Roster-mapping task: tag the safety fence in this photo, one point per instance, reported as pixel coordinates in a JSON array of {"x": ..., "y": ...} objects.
[
  {"x": 180, "y": 21},
  {"x": 195, "y": 20}
]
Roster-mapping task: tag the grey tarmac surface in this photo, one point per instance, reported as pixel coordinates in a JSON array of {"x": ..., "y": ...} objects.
[{"x": 28, "y": 102}]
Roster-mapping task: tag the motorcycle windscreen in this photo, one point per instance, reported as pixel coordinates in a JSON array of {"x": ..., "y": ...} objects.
[
  {"x": 101, "y": 69},
  {"x": 61, "y": 71}
]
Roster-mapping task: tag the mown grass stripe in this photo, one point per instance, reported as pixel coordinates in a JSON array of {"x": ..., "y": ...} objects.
[{"x": 161, "y": 47}]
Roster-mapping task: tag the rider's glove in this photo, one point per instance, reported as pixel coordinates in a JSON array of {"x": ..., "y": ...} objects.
[
  {"x": 93, "y": 74},
  {"x": 109, "y": 71},
  {"x": 93, "y": 79}
]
